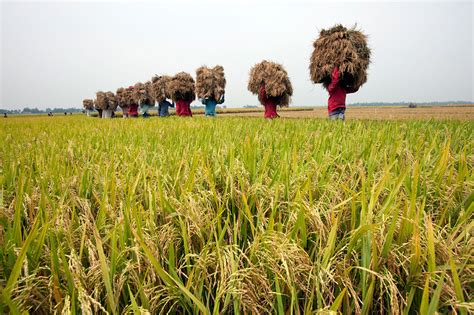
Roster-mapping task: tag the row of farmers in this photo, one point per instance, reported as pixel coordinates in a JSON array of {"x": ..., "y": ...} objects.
[
  {"x": 339, "y": 62},
  {"x": 180, "y": 89}
]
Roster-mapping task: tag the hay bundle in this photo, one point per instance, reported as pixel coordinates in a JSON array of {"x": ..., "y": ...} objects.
[
  {"x": 210, "y": 82},
  {"x": 105, "y": 101},
  {"x": 159, "y": 90},
  {"x": 141, "y": 93},
  {"x": 101, "y": 100},
  {"x": 111, "y": 101},
  {"x": 149, "y": 97},
  {"x": 120, "y": 98},
  {"x": 88, "y": 104},
  {"x": 128, "y": 96},
  {"x": 344, "y": 48},
  {"x": 138, "y": 92},
  {"x": 276, "y": 81},
  {"x": 181, "y": 87}
]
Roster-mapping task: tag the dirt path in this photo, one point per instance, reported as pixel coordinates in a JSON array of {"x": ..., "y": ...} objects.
[{"x": 379, "y": 113}]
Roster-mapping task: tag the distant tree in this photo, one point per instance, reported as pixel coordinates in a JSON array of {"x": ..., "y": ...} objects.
[{"x": 31, "y": 110}]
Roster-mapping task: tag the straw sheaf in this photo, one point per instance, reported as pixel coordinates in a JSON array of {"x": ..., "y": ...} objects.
[
  {"x": 210, "y": 82},
  {"x": 105, "y": 101},
  {"x": 141, "y": 93},
  {"x": 88, "y": 104},
  {"x": 120, "y": 98},
  {"x": 128, "y": 96},
  {"x": 181, "y": 87},
  {"x": 149, "y": 95},
  {"x": 344, "y": 48},
  {"x": 100, "y": 100},
  {"x": 159, "y": 90},
  {"x": 276, "y": 81},
  {"x": 111, "y": 100}
]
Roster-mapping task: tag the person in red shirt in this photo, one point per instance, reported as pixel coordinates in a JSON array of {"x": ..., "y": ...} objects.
[
  {"x": 131, "y": 106},
  {"x": 183, "y": 108},
  {"x": 337, "y": 95},
  {"x": 268, "y": 102},
  {"x": 133, "y": 110}
]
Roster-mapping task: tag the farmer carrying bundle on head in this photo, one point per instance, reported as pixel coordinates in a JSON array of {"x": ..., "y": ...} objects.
[
  {"x": 122, "y": 101},
  {"x": 271, "y": 83},
  {"x": 181, "y": 89},
  {"x": 270, "y": 103},
  {"x": 132, "y": 104},
  {"x": 160, "y": 94},
  {"x": 340, "y": 61},
  {"x": 88, "y": 106},
  {"x": 109, "y": 112},
  {"x": 163, "y": 108},
  {"x": 210, "y": 88},
  {"x": 337, "y": 95},
  {"x": 105, "y": 104},
  {"x": 149, "y": 100},
  {"x": 99, "y": 102},
  {"x": 143, "y": 97}
]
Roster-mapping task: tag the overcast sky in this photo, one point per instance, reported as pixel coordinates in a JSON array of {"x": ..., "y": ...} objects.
[{"x": 58, "y": 53}]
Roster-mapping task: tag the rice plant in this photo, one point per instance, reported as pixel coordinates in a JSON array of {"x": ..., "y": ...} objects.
[{"x": 236, "y": 215}]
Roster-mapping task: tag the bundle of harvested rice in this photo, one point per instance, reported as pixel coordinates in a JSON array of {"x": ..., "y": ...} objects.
[
  {"x": 120, "y": 98},
  {"x": 138, "y": 91},
  {"x": 276, "y": 81},
  {"x": 128, "y": 94},
  {"x": 159, "y": 90},
  {"x": 101, "y": 100},
  {"x": 149, "y": 100},
  {"x": 345, "y": 48},
  {"x": 210, "y": 82},
  {"x": 141, "y": 93},
  {"x": 181, "y": 87},
  {"x": 111, "y": 101},
  {"x": 88, "y": 104}
]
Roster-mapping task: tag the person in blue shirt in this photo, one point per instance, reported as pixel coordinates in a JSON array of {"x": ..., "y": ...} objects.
[
  {"x": 163, "y": 108},
  {"x": 145, "y": 106},
  {"x": 210, "y": 105}
]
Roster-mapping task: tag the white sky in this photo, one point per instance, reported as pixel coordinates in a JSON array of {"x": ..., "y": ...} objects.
[{"x": 56, "y": 54}]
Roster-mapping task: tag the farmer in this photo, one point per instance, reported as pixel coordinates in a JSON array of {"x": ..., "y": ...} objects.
[
  {"x": 133, "y": 110},
  {"x": 145, "y": 107},
  {"x": 269, "y": 102},
  {"x": 210, "y": 103},
  {"x": 183, "y": 108},
  {"x": 132, "y": 107},
  {"x": 337, "y": 95},
  {"x": 163, "y": 108}
]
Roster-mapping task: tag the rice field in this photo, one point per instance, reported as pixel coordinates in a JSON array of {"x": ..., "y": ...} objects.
[{"x": 236, "y": 216}]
